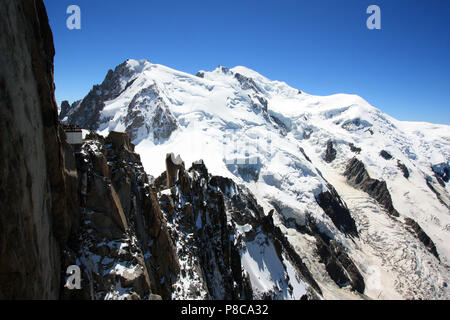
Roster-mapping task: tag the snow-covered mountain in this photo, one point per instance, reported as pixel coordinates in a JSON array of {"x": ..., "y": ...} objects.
[{"x": 375, "y": 188}]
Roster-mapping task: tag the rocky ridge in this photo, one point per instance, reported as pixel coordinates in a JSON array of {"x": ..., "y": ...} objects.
[
  {"x": 219, "y": 229},
  {"x": 122, "y": 246}
]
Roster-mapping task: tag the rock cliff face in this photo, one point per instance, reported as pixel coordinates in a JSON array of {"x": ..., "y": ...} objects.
[
  {"x": 358, "y": 176},
  {"x": 123, "y": 246},
  {"x": 37, "y": 180},
  {"x": 335, "y": 208},
  {"x": 330, "y": 153},
  {"x": 422, "y": 236}
]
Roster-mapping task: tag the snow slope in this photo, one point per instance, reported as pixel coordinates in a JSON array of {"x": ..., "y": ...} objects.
[{"x": 272, "y": 139}]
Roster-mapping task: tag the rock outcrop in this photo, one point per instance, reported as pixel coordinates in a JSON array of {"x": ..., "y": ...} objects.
[
  {"x": 354, "y": 148},
  {"x": 330, "y": 152},
  {"x": 335, "y": 208},
  {"x": 358, "y": 177},
  {"x": 338, "y": 264},
  {"x": 415, "y": 228},
  {"x": 437, "y": 186},
  {"x": 403, "y": 168},
  {"x": 123, "y": 246},
  {"x": 174, "y": 166},
  {"x": 332, "y": 254},
  {"x": 442, "y": 173},
  {"x": 160, "y": 125},
  {"x": 64, "y": 109},
  {"x": 385, "y": 155},
  {"x": 219, "y": 230}
]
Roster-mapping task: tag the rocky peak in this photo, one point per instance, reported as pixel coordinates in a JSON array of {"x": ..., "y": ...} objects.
[
  {"x": 86, "y": 113},
  {"x": 330, "y": 152},
  {"x": 145, "y": 115},
  {"x": 122, "y": 246},
  {"x": 65, "y": 108},
  {"x": 219, "y": 229},
  {"x": 120, "y": 141}
]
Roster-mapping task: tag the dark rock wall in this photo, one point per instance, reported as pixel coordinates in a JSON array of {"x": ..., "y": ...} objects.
[
  {"x": 442, "y": 173},
  {"x": 37, "y": 208},
  {"x": 332, "y": 204},
  {"x": 403, "y": 168},
  {"x": 338, "y": 264},
  {"x": 439, "y": 190},
  {"x": 330, "y": 152},
  {"x": 386, "y": 155},
  {"x": 354, "y": 148},
  {"x": 358, "y": 177},
  {"x": 422, "y": 236}
]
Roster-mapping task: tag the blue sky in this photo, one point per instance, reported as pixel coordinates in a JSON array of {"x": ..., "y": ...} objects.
[{"x": 321, "y": 47}]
